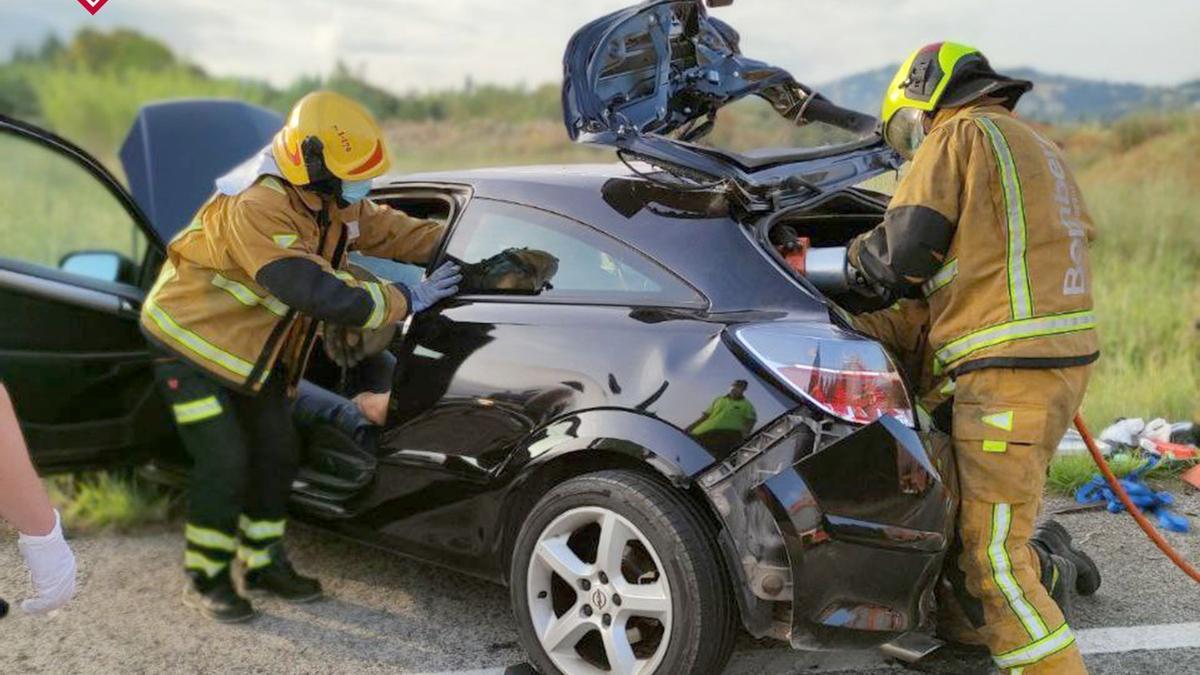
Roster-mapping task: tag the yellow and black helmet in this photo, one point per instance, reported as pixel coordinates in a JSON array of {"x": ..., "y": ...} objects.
[
  {"x": 940, "y": 75},
  {"x": 328, "y": 136}
]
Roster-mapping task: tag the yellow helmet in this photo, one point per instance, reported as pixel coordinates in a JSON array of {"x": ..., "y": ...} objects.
[
  {"x": 330, "y": 136},
  {"x": 939, "y": 75}
]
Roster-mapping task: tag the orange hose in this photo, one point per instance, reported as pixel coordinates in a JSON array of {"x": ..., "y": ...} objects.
[{"x": 1134, "y": 511}]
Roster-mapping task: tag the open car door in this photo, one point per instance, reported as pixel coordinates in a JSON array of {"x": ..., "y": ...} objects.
[
  {"x": 77, "y": 254},
  {"x": 650, "y": 79}
]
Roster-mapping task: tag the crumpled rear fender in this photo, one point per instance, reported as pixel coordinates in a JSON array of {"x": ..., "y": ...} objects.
[{"x": 848, "y": 530}]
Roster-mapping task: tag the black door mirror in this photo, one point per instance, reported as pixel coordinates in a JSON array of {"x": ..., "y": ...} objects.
[{"x": 101, "y": 265}]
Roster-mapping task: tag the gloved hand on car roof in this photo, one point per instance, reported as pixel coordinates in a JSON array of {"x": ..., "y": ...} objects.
[{"x": 441, "y": 284}]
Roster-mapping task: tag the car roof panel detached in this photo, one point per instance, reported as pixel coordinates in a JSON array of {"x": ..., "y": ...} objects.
[
  {"x": 176, "y": 149},
  {"x": 690, "y": 233}
]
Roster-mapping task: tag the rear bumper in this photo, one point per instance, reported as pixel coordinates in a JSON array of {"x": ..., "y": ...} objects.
[{"x": 851, "y": 537}]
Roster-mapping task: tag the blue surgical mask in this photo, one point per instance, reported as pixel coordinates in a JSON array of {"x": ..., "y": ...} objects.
[{"x": 353, "y": 191}]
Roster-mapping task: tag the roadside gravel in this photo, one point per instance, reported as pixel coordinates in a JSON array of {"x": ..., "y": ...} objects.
[{"x": 388, "y": 614}]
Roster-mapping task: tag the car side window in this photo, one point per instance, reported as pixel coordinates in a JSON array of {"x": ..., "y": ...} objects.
[
  {"x": 508, "y": 249},
  {"x": 57, "y": 215},
  {"x": 425, "y": 204}
]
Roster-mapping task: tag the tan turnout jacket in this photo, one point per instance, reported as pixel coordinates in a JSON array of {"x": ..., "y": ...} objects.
[
  {"x": 1013, "y": 288},
  {"x": 207, "y": 307}
]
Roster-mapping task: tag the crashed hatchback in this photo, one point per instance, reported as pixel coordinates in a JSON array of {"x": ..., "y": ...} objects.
[{"x": 635, "y": 415}]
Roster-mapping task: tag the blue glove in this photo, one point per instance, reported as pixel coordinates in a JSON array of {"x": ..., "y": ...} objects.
[{"x": 440, "y": 285}]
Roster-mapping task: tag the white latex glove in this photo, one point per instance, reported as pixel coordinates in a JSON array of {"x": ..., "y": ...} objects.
[{"x": 51, "y": 568}]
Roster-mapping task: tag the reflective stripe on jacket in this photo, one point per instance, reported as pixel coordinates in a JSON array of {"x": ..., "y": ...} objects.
[
  {"x": 990, "y": 227},
  {"x": 209, "y": 307}
]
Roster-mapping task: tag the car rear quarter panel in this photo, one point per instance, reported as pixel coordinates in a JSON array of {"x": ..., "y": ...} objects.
[{"x": 511, "y": 386}]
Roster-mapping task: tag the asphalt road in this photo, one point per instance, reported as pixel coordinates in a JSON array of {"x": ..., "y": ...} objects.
[{"x": 389, "y": 614}]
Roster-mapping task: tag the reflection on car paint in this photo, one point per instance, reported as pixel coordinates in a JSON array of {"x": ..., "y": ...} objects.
[{"x": 726, "y": 422}]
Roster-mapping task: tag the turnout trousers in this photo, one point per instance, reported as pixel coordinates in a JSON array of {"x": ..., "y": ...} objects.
[
  {"x": 245, "y": 454},
  {"x": 1007, "y": 425}
]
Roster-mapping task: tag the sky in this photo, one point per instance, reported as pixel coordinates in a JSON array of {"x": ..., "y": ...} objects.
[{"x": 434, "y": 44}]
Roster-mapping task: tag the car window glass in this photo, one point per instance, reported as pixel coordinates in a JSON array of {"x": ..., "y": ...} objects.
[
  {"x": 511, "y": 249},
  {"x": 58, "y": 215},
  {"x": 431, "y": 207},
  {"x": 389, "y": 270}
]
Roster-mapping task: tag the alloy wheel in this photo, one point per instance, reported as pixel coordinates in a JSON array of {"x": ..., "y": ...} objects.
[{"x": 598, "y": 595}]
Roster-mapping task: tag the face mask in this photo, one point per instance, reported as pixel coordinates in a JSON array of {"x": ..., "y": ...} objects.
[
  {"x": 905, "y": 131},
  {"x": 353, "y": 191}
]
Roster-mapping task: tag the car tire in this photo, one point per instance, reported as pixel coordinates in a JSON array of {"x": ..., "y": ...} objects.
[{"x": 669, "y": 558}]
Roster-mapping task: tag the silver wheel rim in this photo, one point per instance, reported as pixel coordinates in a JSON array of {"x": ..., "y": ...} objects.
[{"x": 621, "y": 607}]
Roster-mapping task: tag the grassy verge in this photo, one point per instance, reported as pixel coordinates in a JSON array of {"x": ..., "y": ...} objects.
[
  {"x": 1070, "y": 472},
  {"x": 104, "y": 501}
]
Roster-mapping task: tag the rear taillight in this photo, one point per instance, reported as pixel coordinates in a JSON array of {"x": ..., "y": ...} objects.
[{"x": 841, "y": 373}]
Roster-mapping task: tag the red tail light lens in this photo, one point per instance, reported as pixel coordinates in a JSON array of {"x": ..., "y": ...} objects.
[{"x": 843, "y": 374}]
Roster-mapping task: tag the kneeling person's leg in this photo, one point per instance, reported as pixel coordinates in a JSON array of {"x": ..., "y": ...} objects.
[{"x": 1006, "y": 425}]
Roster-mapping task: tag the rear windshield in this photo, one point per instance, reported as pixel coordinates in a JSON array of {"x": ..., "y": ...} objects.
[{"x": 751, "y": 124}]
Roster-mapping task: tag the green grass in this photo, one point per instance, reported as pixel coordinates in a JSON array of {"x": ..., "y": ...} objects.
[
  {"x": 108, "y": 501},
  {"x": 1145, "y": 265},
  {"x": 1070, "y": 472},
  {"x": 52, "y": 207}
]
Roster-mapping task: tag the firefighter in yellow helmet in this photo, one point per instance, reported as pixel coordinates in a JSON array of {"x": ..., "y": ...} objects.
[
  {"x": 986, "y": 242},
  {"x": 236, "y": 310}
]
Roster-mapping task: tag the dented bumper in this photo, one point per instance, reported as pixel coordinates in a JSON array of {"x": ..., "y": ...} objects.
[{"x": 838, "y": 537}]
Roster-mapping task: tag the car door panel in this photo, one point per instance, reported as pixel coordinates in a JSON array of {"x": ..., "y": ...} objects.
[
  {"x": 479, "y": 379},
  {"x": 71, "y": 355}
]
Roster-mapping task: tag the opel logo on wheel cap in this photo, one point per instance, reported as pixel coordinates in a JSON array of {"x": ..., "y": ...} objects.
[{"x": 599, "y": 599}]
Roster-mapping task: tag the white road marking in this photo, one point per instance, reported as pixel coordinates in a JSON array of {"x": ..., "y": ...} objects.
[
  {"x": 1112, "y": 640},
  {"x": 1135, "y": 638}
]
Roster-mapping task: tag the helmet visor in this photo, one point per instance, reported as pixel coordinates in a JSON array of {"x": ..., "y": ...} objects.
[{"x": 905, "y": 131}]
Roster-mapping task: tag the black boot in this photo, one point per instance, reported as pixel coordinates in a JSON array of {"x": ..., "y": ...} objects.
[
  {"x": 216, "y": 598},
  {"x": 280, "y": 579},
  {"x": 1054, "y": 539},
  {"x": 1061, "y": 581}
]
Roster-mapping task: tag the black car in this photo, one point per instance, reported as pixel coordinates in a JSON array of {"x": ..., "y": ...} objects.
[{"x": 636, "y": 414}]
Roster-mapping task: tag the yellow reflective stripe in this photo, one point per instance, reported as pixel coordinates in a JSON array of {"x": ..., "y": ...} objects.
[
  {"x": 209, "y": 538},
  {"x": 379, "y": 310},
  {"x": 344, "y": 276},
  {"x": 261, "y": 529},
  {"x": 941, "y": 278},
  {"x": 244, "y": 295},
  {"x": 254, "y": 558},
  {"x": 273, "y": 183},
  {"x": 285, "y": 240},
  {"x": 194, "y": 560},
  {"x": 247, "y": 297},
  {"x": 1037, "y": 650},
  {"x": 197, "y": 344},
  {"x": 196, "y": 411},
  {"x": 1002, "y": 575},
  {"x": 991, "y": 336},
  {"x": 995, "y": 446},
  {"x": 275, "y": 305},
  {"x": 1019, "y": 293}
]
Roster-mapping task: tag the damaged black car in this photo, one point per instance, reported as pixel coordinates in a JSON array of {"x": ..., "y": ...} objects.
[{"x": 636, "y": 414}]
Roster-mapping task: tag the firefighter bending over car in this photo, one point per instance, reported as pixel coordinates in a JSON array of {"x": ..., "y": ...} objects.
[
  {"x": 236, "y": 310},
  {"x": 985, "y": 245}
]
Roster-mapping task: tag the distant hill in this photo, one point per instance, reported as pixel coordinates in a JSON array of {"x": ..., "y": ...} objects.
[{"x": 1055, "y": 98}]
